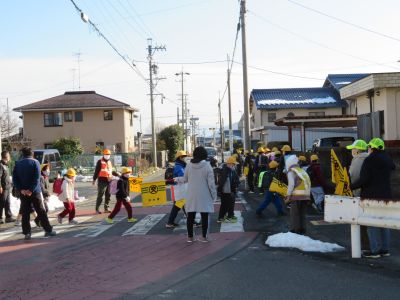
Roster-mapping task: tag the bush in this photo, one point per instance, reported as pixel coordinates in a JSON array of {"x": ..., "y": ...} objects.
[{"x": 68, "y": 146}]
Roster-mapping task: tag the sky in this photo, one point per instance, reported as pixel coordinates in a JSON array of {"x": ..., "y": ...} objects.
[{"x": 289, "y": 44}]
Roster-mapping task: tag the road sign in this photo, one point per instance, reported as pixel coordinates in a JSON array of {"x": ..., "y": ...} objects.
[
  {"x": 134, "y": 184},
  {"x": 153, "y": 193}
]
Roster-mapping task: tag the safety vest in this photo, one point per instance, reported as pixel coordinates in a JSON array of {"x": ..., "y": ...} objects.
[
  {"x": 304, "y": 188},
  {"x": 105, "y": 168}
]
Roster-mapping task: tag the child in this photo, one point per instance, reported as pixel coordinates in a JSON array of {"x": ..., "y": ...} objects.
[
  {"x": 122, "y": 197},
  {"x": 67, "y": 196},
  {"x": 270, "y": 196},
  {"x": 44, "y": 184}
]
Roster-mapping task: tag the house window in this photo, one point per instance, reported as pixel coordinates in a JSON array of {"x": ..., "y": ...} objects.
[
  {"x": 68, "y": 116},
  {"x": 53, "y": 119},
  {"x": 78, "y": 116},
  {"x": 271, "y": 117},
  {"x": 316, "y": 114},
  {"x": 108, "y": 115}
]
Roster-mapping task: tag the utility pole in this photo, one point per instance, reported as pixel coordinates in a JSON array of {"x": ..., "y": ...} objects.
[
  {"x": 221, "y": 129},
  {"x": 8, "y": 122},
  {"x": 246, "y": 114},
  {"x": 177, "y": 116},
  {"x": 78, "y": 59},
  {"x": 193, "y": 123},
  {"x": 153, "y": 70},
  {"x": 184, "y": 107},
  {"x": 230, "y": 109}
]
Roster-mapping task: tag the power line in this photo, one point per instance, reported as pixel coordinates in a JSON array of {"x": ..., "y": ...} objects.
[
  {"x": 345, "y": 22},
  {"x": 186, "y": 63},
  {"x": 171, "y": 8},
  {"x": 145, "y": 27}
]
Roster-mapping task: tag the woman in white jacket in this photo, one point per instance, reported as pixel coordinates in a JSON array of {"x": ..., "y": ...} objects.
[
  {"x": 67, "y": 196},
  {"x": 201, "y": 192}
]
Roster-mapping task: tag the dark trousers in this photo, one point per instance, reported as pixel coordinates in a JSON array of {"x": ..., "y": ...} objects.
[
  {"x": 46, "y": 209},
  {"x": 5, "y": 204},
  {"x": 190, "y": 222},
  {"x": 174, "y": 212},
  {"x": 69, "y": 209},
  {"x": 227, "y": 205},
  {"x": 103, "y": 188},
  {"x": 298, "y": 216},
  {"x": 117, "y": 208},
  {"x": 250, "y": 180},
  {"x": 26, "y": 207}
]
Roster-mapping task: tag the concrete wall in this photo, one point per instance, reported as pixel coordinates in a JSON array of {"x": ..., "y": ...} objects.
[{"x": 92, "y": 129}]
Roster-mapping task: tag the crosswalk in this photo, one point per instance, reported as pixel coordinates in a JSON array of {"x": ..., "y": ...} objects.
[{"x": 92, "y": 227}]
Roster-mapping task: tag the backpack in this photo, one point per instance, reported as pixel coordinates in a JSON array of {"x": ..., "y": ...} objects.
[
  {"x": 114, "y": 186},
  {"x": 57, "y": 186},
  {"x": 217, "y": 175},
  {"x": 169, "y": 173},
  {"x": 310, "y": 173}
]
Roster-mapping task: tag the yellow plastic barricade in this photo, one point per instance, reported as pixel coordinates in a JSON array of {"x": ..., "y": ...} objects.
[
  {"x": 134, "y": 184},
  {"x": 153, "y": 193},
  {"x": 278, "y": 187}
]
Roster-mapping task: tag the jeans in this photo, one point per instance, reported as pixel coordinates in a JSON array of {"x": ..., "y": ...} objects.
[
  {"x": 26, "y": 207},
  {"x": 227, "y": 205},
  {"x": 5, "y": 204},
  {"x": 376, "y": 233},
  {"x": 117, "y": 208},
  {"x": 269, "y": 196},
  {"x": 103, "y": 188},
  {"x": 318, "y": 195},
  {"x": 190, "y": 222}
]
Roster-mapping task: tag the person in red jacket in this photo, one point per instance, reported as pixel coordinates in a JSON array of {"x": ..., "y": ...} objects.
[{"x": 318, "y": 182}]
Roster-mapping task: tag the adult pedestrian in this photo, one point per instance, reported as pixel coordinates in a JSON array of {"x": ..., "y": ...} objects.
[
  {"x": 201, "y": 192},
  {"x": 103, "y": 175},
  {"x": 249, "y": 166},
  {"x": 261, "y": 165},
  {"x": 227, "y": 188},
  {"x": 45, "y": 187},
  {"x": 179, "y": 171},
  {"x": 318, "y": 182},
  {"x": 374, "y": 182},
  {"x": 299, "y": 188},
  {"x": 26, "y": 178},
  {"x": 286, "y": 152},
  {"x": 5, "y": 188},
  {"x": 359, "y": 153}
]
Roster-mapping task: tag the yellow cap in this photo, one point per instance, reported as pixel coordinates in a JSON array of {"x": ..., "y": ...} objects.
[
  {"x": 277, "y": 152},
  {"x": 286, "y": 148},
  {"x": 125, "y": 170},
  {"x": 106, "y": 152},
  {"x": 42, "y": 166},
  {"x": 302, "y": 158},
  {"x": 273, "y": 164},
  {"x": 274, "y": 149},
  {"x": 180, "y": 153},
  {"x": 260, "y": 150},
  {"x": 266, "y": 149},
  {"x": 314, "y": 157},
  {"x": 71, "y": 172},
  {"x": 231, "y": 160}
]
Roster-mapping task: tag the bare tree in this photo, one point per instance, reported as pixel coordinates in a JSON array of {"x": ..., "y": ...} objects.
[{"x": 9, "y": 122}]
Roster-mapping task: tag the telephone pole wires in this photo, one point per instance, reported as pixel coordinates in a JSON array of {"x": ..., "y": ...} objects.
[
  {"x": 184, "y": 108},
  {"x": 230, "y": 108}
]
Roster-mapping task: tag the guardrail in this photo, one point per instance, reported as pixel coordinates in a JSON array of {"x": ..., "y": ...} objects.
[{"x": 356, "y": 212}]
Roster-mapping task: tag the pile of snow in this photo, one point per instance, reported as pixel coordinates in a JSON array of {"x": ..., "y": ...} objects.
[
  {"x": 81, "y": 178},
  {"x": 304, "y": 243}
]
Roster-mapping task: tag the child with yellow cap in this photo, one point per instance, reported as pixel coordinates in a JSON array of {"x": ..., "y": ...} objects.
[{"x": 67, "y": 197}]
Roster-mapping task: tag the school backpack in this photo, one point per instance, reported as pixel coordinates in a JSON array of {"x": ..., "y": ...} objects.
[
  {"x": 57, "y": 186},
  {"x": 114, "y": 186},
  {"x": 217, "y": 174}
]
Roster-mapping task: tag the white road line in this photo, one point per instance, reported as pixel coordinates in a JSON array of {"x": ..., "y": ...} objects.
[
  {"x": 233, "y": 227},
  {"x": 6, "y": 234},
  {"x": 144, "y": 225},
  {"x": 63, "y": 227},
  {"x": 244, "y": 202},
  {"x": 99, "y": 228}
]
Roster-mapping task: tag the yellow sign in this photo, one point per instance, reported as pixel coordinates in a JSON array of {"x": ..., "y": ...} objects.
[
  {"x": 153, "y": 193},
  {"x": 278, "y": 187},
  {"x": 340, "y": 176},
  {"x": 180, "y": 203},
  {"x": 134, "y": 184}
]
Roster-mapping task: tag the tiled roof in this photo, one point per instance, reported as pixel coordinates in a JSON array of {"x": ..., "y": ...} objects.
[
  {"x": 296, "y": 98},
  {"x": 337, "y": 81},
  {"x": 79, "y": 99}
]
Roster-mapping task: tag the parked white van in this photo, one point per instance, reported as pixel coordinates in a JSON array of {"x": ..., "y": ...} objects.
[{"x": 49, "y": 156}]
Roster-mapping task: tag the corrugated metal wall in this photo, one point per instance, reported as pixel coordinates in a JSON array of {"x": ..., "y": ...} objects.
[{"x": 281, "y": 134}]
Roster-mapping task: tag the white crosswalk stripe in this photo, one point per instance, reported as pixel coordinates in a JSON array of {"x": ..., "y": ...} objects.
[
  {"x": 99, "y": 228},
  {"x": 59, "y": 228},
  {"x": 144, "y": 225},
  {"x": 233, "y": 227}
]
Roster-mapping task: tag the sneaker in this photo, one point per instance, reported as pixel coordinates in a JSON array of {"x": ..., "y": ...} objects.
[
  {"x": 203, "y": 240},
  {"x": 197, "y": 224},
  {"x": 27, "y": 237},
  {"x": 98, "y": 212},
  {"x": 132, "y": 220},
  {"x": 50, "y": 234},
  {"x": 106, "y": 210},
  {"x": 384, "y": 253},
  {"x": 109, "y": 220},
  {"x": 190, "y": 240},
  {"x": 1, "y": 221},
  {"x": 10, "y": 220},
  {"x": 369, "y": 254},
  {"x": 233, "y": 218},
  {"x": 220, "y": 220},
  {"x": 230, "y": 220},
  {"x": 59, "y": 219},
  {"x": 73, "y": 222},
  {"x": 173, "y": 225}
]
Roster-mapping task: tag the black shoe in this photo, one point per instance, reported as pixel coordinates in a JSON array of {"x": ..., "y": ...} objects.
[
  {"x": 98, "y": 212},
  {"x": 1, "y": 221},
  {"x": 37, "y": 222},
  {"x": 369, "y": 254},
  {"x": 27, "y": 237},
  {"x": 10, "y": 220},
  {"x": 50, "y": 234},
  {"x": 384, "y": 253}
]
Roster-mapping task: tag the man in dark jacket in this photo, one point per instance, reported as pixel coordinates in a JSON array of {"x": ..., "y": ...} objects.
[
  {"x": 227, "y": 187},
  {"x": 375, "y": 184},
  {"x": 5, "y": 188},
  {"x": 26, "y": 178},
  {"x": 249, "y": 164},
  {"x": 318, "y": 182}
]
